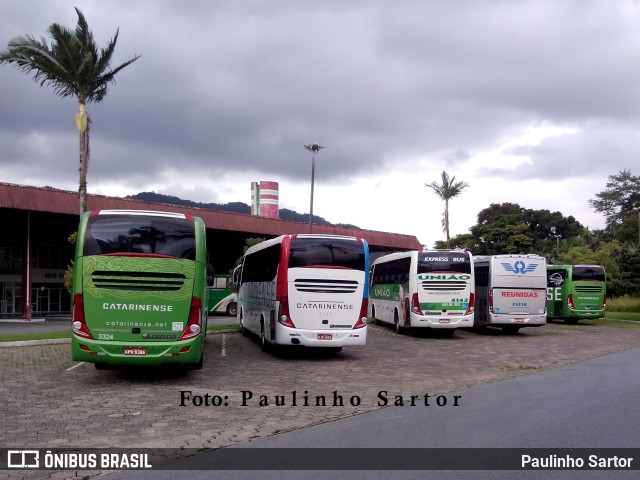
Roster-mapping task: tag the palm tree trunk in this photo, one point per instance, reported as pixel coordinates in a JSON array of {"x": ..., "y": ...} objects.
[
  {"x": 446, "y": 223},
  {"x": 84, "y": 157},
  {"x": 83, "y": 128}
]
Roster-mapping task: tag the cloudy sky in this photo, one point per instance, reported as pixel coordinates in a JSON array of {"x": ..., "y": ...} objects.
[{"x": 530, "y": 102}]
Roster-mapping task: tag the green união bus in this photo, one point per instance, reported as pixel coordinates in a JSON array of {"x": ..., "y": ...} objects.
[
  {"x": 576, "y": 292},
  {"x": 424, "y": 289},
  {"x": 139, "y": 289}
]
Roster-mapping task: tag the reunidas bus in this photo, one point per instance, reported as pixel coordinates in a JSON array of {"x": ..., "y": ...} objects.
[
  {"x": 309, "y": 290},
  {"x": 576, "y": 292},
  {"x": 139, "y": 289},
  {"x": 510, "y": 291},
  {"x": 432, "y": 289}
]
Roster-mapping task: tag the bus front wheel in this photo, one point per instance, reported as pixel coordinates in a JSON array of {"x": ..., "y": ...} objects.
[{"x": 232, "y": 309}]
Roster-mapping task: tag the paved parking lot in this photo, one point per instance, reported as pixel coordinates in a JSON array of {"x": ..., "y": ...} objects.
[{"x": 48, "y": 401}]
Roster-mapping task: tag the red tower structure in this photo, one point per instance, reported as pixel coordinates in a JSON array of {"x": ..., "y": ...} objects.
[{"x": 264, "y": 199}]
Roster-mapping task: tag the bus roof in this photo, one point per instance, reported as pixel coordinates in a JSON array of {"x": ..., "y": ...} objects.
[{"x": 146, "y": 213}]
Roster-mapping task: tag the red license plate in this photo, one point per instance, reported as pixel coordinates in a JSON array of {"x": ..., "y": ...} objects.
[
  {"x": 135, "y": 351},
  {"x": 325, "y": 336},
  {"x": 519, "y": 320}
]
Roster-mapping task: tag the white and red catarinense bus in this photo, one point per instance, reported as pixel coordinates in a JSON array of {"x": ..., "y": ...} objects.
[{"x": 309, "y": 290}]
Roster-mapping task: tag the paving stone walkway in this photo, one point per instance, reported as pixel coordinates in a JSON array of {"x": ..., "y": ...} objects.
[{"x": 47, "y": 401}]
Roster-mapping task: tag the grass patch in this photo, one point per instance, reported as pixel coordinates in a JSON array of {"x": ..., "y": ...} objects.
[
  {"x": 217, "y": 328},
  {"x": 19, "y": 337},
  {"x": 631, "y": 316},
  {"x": 519, "y": 368},
  {"x": 613, "y": 322},
  {"x": 626, "y": 303}
]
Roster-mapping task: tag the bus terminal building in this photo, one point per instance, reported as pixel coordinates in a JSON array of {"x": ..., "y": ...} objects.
[{"x": 35, "y": 250}]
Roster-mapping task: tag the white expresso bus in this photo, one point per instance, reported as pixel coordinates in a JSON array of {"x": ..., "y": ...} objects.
[
  {"x": 309, "y": 290},
  {"x": 432, "y": 289},
  {"x": 511, "y": 291}
]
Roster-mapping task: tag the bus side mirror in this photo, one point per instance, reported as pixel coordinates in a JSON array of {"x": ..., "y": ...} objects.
[
  {"x": 210, "y": 276},
  {"x": 236, "y": 274}
]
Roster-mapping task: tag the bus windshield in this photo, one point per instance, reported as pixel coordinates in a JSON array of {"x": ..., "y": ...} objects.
[
  {"x": 588, "y": 272},
  {"x": 140, "y": 235},
  {"x": 457, "y": 262},
  {"x": 334, "y": 253}
]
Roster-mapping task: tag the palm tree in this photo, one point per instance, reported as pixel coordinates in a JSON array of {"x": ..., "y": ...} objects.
[
  {"x": 446, "y": 190},
  {"x": 75, "y": 66}
]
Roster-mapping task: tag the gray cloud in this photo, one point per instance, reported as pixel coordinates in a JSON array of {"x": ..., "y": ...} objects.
[{"x": 243, "y": 85}]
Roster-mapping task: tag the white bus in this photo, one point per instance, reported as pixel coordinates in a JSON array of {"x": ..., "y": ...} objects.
[
  {"x": 309, "y": 290},
  {"x": 432, "y": 289},
  {"x": 511, "y": 291}
]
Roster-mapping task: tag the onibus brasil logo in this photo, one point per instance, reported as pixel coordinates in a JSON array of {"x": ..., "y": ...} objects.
[{"x": 519, "y": 267}]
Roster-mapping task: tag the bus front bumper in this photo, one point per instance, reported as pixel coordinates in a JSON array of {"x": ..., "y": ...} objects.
[
  {"x": 321, "y": 338},
  {"x": 437, "y": 321},
  {"x": 132, "y": 353},
  {"x": 521, "y": 321}
]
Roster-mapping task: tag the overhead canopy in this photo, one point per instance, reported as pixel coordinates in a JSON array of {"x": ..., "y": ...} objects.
[{"x": 46, "y": 199}]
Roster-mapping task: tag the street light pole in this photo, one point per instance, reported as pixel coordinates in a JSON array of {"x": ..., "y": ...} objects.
[
  {"x": 558, "y": 237},
  {"x": 313, "y": 148}
]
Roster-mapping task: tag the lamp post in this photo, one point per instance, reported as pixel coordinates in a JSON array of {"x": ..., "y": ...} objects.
[
  {"x": 558, "y": 237},
  {"x": 313, "y": 148}
]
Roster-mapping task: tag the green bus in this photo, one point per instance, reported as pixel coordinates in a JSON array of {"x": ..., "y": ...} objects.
[
  {"x": 576, "y": 292},
  {"x": 139, "y": 289},
  {"x": 223, "y": 296}
]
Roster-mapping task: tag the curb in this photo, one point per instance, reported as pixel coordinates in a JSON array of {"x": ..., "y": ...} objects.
[
  {"x": 29, "y": 343},
  {"x": 53, "y": 341}
]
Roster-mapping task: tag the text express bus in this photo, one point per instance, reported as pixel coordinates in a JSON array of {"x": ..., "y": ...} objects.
[
  {"x": 576, "y": 292},
  {"x": 432, "y": 289},
  {"x": 510, "y": 291},
  {"x": 139, "y": 289},
  {"x": 309, "y": 290}
]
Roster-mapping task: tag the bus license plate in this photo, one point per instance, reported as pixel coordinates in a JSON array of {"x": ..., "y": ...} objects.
[
  {"x": 135, "y": 351},
  {"x": 325, "y": 336}
]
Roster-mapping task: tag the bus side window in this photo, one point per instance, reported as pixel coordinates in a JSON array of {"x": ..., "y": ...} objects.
[{"x": 210, "y": 276}]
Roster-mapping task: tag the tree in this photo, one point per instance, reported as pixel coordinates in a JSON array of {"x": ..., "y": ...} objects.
[
  {"x": 620, "y": 203},
  {"x": 75, "y": 66},
  {"x": 510, "y": 228},
  {"x": 446, "y": 190},
  {"x": 607, "y": 255},
  {"x": 626, "y": 279}
]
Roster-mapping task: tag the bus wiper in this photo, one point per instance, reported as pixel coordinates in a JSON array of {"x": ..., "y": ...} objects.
[{"x": 138, "y": 254}]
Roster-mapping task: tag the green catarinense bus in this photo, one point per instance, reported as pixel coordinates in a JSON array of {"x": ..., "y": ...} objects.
[{"x": 139, "y": 289}]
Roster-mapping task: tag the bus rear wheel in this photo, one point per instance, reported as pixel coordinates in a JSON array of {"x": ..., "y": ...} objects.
[
  {"x": 510, "y": 329},
  {"x": 263, "y": 338},
  {"x": 198, "y": 365},
  {"x": 232, "y": 309},
  {"x": 396, "y": 321}
]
